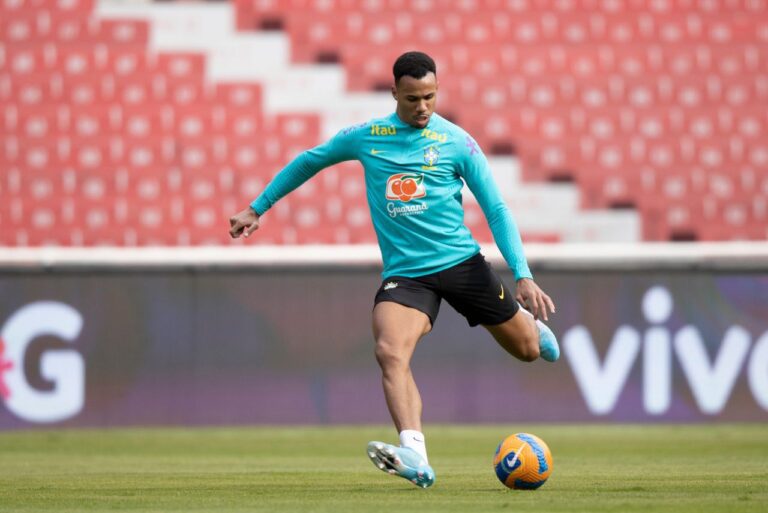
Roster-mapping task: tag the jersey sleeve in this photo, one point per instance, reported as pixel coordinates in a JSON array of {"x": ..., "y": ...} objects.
[
  {"x": 342, "y": 147},
  {"x": 477, "y": 174}
]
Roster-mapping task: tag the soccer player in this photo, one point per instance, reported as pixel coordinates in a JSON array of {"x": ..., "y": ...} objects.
[{"x": 416, "y": 163}]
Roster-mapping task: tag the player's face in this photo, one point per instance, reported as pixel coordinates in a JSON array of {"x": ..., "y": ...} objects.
[{"x": 416, "y": 99}]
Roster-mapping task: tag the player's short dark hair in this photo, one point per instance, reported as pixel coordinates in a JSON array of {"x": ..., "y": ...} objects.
[{"x": 413, "y": 64}]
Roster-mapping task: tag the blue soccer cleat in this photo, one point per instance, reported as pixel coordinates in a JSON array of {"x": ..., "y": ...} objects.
[
  {"x": 549, "y": 349},
  {"x": 403, "y": 462}
]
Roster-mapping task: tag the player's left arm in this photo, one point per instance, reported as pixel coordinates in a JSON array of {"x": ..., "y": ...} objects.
[{"x": 476, "y": 172}]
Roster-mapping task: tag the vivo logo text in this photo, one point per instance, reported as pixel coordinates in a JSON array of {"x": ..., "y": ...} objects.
[{"x": 711, "y": 380}]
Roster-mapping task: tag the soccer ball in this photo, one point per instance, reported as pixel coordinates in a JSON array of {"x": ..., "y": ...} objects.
[{"x": 522, "y": 461}]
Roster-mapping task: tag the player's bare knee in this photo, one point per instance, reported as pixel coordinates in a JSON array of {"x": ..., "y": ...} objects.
[
  {"x": 527, "y": 345},
  {"x": 530, "y": 349},
  {"x": 531, "y": 342},
  {"x": 390, "y": 355}
]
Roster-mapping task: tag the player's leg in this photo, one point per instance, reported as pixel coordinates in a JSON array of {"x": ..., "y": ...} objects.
[
  {"x": 526, "y": 338},
  {"x": 478, "y": 293},
  {"x": 519, "y": 336},
  {"x": 397, "y": 329},
  {"x": 404, "y": 312}
]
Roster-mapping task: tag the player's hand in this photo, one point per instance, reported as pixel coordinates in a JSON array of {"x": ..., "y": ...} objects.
[
  {"x": 244, "y": 222},
  {"x": 533, "y": 298}
]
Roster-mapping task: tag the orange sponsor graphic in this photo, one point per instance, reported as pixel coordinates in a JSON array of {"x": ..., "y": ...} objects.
[{"x": 405, "y": 187}]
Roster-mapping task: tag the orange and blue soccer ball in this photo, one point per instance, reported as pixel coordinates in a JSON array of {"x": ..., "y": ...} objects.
[{"x": 522, "y": 461}]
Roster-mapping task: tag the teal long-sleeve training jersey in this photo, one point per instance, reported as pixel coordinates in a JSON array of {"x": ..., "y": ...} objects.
[{"x": 413, "y": 179}]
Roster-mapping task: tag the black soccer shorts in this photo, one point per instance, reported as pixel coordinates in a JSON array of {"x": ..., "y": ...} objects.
[{"x": 471, "y": 287}]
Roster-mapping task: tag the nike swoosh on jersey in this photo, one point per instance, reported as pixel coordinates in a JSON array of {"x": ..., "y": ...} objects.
[
  {"x": 376, "y": 152},
  {"x": 501, "y": 296}
]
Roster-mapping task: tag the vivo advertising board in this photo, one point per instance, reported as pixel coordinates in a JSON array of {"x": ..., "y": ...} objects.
[{"x": 191, "y": 347}]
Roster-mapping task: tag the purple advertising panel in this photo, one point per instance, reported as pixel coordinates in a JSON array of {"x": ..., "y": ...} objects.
[{"x": 247, "y": 346}]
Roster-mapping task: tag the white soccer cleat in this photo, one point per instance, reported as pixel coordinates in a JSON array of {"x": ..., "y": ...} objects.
[{"x": 401, "y": 461}]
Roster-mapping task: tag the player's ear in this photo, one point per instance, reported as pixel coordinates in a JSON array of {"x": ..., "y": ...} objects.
[{"x": 394, "y": 91}]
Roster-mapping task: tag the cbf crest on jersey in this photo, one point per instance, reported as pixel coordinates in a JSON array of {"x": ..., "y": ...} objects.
[{"x": 431, "y": 155}]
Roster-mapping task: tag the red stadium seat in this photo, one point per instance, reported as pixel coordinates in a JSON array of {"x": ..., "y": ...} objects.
[
  {"x": 72, "y": 28},
  {"x": 22, "y": 27},
  {"x": 198, "y": 120},
  {"x": 239, "y": 95},
  {"x": 145, "y": 121},
  {"x": 30, "y": 89},
  {"x": 36, "y": 121},
  {"x": 83, "y": 90},
  {"x": 83, "y": 7},
  {"x": 117, "y": 32},
  {"x": 30, "y": 59},
  {"x": 126, "y": 60},
  {"x": 250, "y": 158}
]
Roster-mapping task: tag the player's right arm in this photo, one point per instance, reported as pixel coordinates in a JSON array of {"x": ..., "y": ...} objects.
[
  {"x": 341, "y": 147},
  {"x": 244, "y": 222}
]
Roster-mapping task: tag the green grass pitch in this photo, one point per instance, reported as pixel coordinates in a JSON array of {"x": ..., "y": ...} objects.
[{"x": 597, "y": 468}]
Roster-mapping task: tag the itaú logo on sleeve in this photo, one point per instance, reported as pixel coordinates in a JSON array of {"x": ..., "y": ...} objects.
[
  {"x": 63, "y": 368},
  {"x": 405, "y": 187},
  {"x": 711, "y": 379}
]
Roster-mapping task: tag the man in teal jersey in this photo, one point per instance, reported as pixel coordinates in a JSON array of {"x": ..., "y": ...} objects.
[{"x": 416, "y": 164}]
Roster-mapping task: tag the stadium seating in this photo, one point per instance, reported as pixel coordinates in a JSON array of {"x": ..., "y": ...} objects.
[
  {"x": 614, "y": 96},
  {"x": 655, "y": 107},
  {"x": 107, "y": 142}
]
